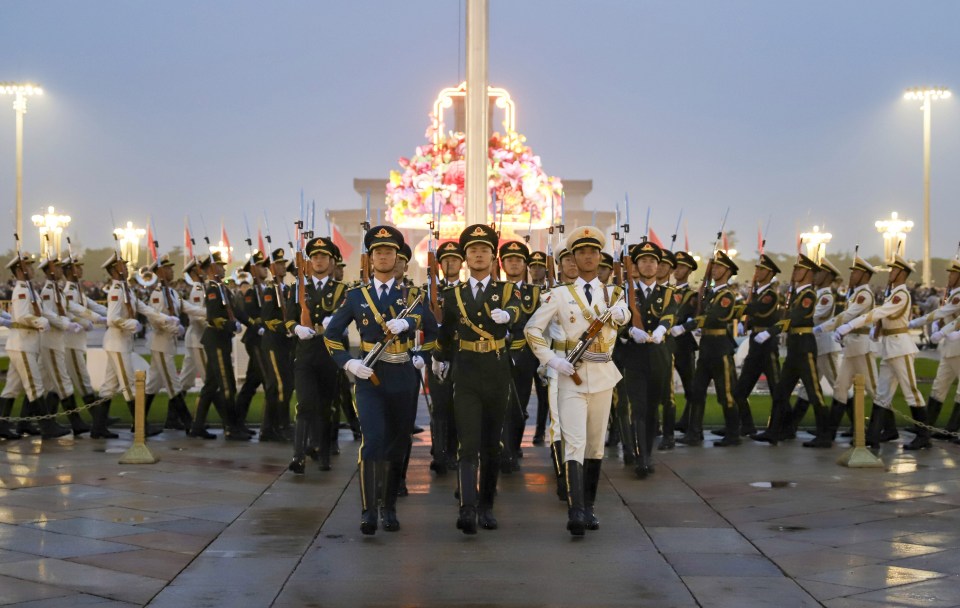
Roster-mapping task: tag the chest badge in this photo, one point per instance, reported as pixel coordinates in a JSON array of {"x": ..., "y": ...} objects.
[{"x": 366, "y": 321}]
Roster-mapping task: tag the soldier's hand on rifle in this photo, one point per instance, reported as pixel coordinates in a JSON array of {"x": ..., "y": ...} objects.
[
  {"x": 131, "y": 326},
  {"x": 237, "y": 327},
  {"x": 500, "y": 316},
  {"x": 953, "y": 336},
  {"x": 440, "y": 368},
  {"x": 41, "y": 323},
  {"x": 817, "y": 330},
  {"x": 74, "y": 328},
  {"x": 326, "y": 321},
  {"x": 357, "y": 368},
  {"x": 86, "y": 324},
  {"x": 100, "y": 319},
  {"x": 918, "y": 322},
  {"x": 658, "y": 334},
  {"x": 677, "y": 331},
  {"x": 761, "y": 337},
  {"x": 304, "y": 333},
  {"x": 638, "y": 335},
  {"x": 397, "y": 326},
  {"x": 561, "y": 365},
  {"x": 418, "y": 362},
  {"x": 261, "y": 331},
  {"x": 619, "y": 315},
  {"x": 5, "y": 322}
]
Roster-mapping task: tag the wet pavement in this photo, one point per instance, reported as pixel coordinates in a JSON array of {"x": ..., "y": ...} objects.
[{"x": 221, "y": 524}]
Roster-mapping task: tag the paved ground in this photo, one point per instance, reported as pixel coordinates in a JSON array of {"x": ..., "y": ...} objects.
[{"x": 218, "y": 524}]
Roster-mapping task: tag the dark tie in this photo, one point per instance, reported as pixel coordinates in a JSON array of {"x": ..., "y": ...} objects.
[
  {"x": 587, "y": 293},
  {"x": 479, "y": 291},
  {"x": 383, "y": 291}
]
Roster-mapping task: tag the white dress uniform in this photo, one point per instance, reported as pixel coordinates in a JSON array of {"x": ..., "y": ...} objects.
[
  {"x": 948, "y": 318},
  {"x": 118, "y": 340},
  {"x": 76, "y": 343},
  {"x": 194, "y": 362},
  {"x": 828, "y": 350},
  {"x": 23, "y": 344},
  {"x": 897, "y": 348},
  {"x": 857, "y": 346},
  {"x": 56, "y": 376},
  {"x": 162, "y": 339},
  {"x": 582, "y": 410}
]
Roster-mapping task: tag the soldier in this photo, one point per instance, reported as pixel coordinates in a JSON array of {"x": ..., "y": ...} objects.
[
  {"x": 948, "y": 336},
  {"x": 56, "y": 377},
  {"x": 163, "y": 374},
  {"x": 897, "y": 351},
  {"x": 23, "y": 348},
  {"x": 828, "y": 350},
  {"x": 716, "y": 356},
  {"x": 761, "y": 312},
  {"x": 476, "y": 318},
  {"x": 252, "y": 299},
  {"x": 223, "y": 321},
  {"x": 800, "y": 364},
  {"x": 194, "y": 360},
  {"x": 605, "y": 271},
  {"x": 685, "y": 355},
  {"x": 315, "y": 372},
  {"x": 668, "y": 264},
  {"x": 122, "y": 326},
  {"x": 538, "y": 277},
  {"x": 857, "y": 353},
  {"x": 583, "y": 408},
  {"x": 76, "y": 345},
  {"x": 276, "y": 346},
  {"x": 513, "y": 259},
  {"x": 343, "y": 404},
  {"x": 386, "y": 392}
]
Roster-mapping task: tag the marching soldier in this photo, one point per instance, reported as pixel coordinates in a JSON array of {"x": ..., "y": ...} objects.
[
  {"x": 163, "y": 374},
  {"x": 476, "y": 318},
  {"x": 76, "y": 344},
  {"x": 668, "y": 264},
  {"x": 583, "y": 408},
  {"x": 314, "y": 372},
  {"x": 761, "y": 312},
  {"x": 897, "y": 352},
  {"x": 857, "y": 353},
  {"x": 276, "y": 346},
  {"x": 56, "y": 377},
  {"x": 715, "y": 363},
  {"x": 948, "y": 336},
  {"x": 538, "y": 277},
  {"x": 194, "y": 360},
  {"x": 343, "y": 404},
  {"x": 386, "y": 392},
  {"x": 800, "y": 364},
  {"x": 685, "y": 355},
  {"x": 605, "y": 271},
  {"x": 122, "y": 326},
  {"x": 23, "y": 348},
  {"x": 252, "y": 299},
  {"x": 949, "y": 367}
]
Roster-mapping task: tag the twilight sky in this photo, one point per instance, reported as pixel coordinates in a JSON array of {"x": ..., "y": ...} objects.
[{"x": 790, "y": 108}]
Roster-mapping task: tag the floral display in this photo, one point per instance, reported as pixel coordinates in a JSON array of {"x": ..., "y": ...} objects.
[{"x": 432, "y": 182}]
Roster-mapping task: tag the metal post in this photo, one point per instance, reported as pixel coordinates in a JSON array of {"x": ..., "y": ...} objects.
[
  {"x": 477, "y": 109},
  {"x": 858, "y": 456},
  {"x": 926, "y": 190},
  {"x": 139, "y": 453}
]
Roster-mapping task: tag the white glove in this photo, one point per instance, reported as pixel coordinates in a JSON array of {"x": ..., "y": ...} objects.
[
  {"x": 418, "y": 362},
  {"x": 561, "y": 365},
  {"x": 838, "y": 337},
  {"x": 305, "y": 333},
  {"x": 238, "y": 327},
  {"x": 638, "y": 335},
  {"x": 357, "y": 368},
  {"x": 844, "y": 329},
  {"x": 953, "y": 336},
  {"x": 500, "y": 316},
  {"x": 74, "y": 328},
  {"x": 618, "y": 315},
  {"x": 761, "y": 337},
  {"x": 5, "y": 322},
  {"x": 261, "y": 331},
  {"x": 5, "y": 316},
  {"x": 542, "y": 372},
  {"x": 658, "y": 334},
  {"x": 697, "y": 332},
  {"x": 173, "y": 321},
  {"x": 397, "y": 326},
  {"x": 326, "y": 321},
  {"x": 873, "y": 333},
  {"x": 677, "y": 330},
  {"x": 42, "y": 324},
  {"x": 102, "y": 320},
  {"x": 86, "y": 324},
  {"x": 936, "y": 337},
  {"x": 130, "y": 326},
  {"x": 935, "y": 327},
  {"x": 440, "y": 368},
  {"x": 915, "y": 323},
  {"x": 817, "y": 330},
  {"x": 181, "y": 331}
]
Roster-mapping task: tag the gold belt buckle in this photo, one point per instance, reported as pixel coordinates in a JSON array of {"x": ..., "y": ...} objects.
[{"x": 484, "y": 346}]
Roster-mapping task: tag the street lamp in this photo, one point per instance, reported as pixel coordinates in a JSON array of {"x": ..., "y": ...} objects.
[
  {"x": 926, "y": 95},
  {"x": 894, "y": 231},
  {"x": 129, "y": 239},
  {"x": 20, "y": 92},
  {"x": 51, "y": 226},
  {"x": 816, "y": 243}
]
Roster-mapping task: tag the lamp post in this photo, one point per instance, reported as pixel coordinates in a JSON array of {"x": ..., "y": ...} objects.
[
  {"x": 20, "y": 93},
  {"x": 894, "y": 231},
  {"x": 816, "y": 243},
  {"x": 926, "y": 95},
  {"x": 477, "y": 108},
  {"x": 51, "y": 227},
  {"x": 129, "y": 237}
]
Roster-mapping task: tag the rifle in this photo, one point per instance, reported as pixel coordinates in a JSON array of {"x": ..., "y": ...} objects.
[
  {"x": 131, "y": 312},
  {"x": 364, "y": 254},
  {"x": 551, "y": 278},
  {"x": 496, "y": 256},
  {"x": 389, "y": 338},
  {"x": 23, "y": 268},
  {"x": 432, "y": 266},
  {"x": 587, "y": 338},
  {"x": 305, "y": 318},
  {"x": 617, "y": 251},
  {"x": 708, "y": 271},
  {"x": 635, "y": 318}
]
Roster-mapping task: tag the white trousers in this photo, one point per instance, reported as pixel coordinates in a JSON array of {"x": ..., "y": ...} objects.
[
  {"x": 23, "y": 376},
  {"x": 162, "y": 375},
  {"x": 850, "y": 367},
  {"x": 947, "y": 372},
  {"x": 77, "y": 367},
  {"x": 583, "y": 421},
  {"x": 194, "y": 364},
  {"x": 56, "y": 376},
  {"x": 119, "y": 376},
  {"x": 898, "y": 371}
]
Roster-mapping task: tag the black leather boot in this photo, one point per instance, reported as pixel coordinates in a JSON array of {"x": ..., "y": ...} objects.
[
  {"x": 298, "y": 465},
  {"x": 576, "y": 515},
  {"x": 198, "y": 429},
  {"x": 439, "y": 450},
  {"x": 28, "y": 427},
  {"x": 181, "y": 411},
  {"x": 684, "y": 420},
  {"x": 556, "y": 453},
  {"x": 368, "y": 496},
  {"x": 874, "y": 426},
  {"x": 488, "y": 491},
  {"x": 101, "y": 414},
  {"x": 922, "y": 439},
  {"x": 49, "y": 427},
  {"x": 731, "y": 423},
  {"x": 668, "y": 441},
  {"x": 644, "y": 462},
  {"x": 822, "y": 438},
  {"x": 888, "y": 430},
  {"x": 748, "y": 427},
  {"x": 799, "y": 411},
  {"x": 694, "y": 434},
  {"x": 149, "y": 430},
  {"x": 402, "y": 488},
  {"x": 774, "y": 427},
  {"x": 388, "y": 514},
  {"x": 77, "y": 424},
  {"x": 6, "y": 430},
  {"x": 467, "y": 519},
  {"x": 933, "y": 412},
  {"x": 837, "y": 410},
  {"x": 172, "y": 420},
  {"x": 591, "y": 483}
]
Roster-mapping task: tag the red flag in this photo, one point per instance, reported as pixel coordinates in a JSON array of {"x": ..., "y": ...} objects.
[
  {"x": 260, "y": 246},
  {"x": 686, "y": 238},
  {"x": 339, "y": 241},
  {"x": 799, "y": 242},
  {"x": 759, "y": 238},
  {"x": 726, "y": 247},
  {"x": 653, "y": 238},
  {"x": 226, "y": 242},
  {"x": 187, "y": 240},
  {"x": 151, "y": 244}
]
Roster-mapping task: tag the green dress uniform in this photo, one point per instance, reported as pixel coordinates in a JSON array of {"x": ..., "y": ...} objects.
[
  {"x": 685, "y": 354},
  {"x": 443, "y": 433},
  {"x": 276, "y": 347},
  {"x": 252, "y": 302}
]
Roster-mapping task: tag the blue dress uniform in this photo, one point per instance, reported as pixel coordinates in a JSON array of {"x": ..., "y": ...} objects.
[
  {"x": 276, "y": 346},
  {"x": 685, "y": 353},
  {"x": 314, "y": 371},
  {"x": 387, "y": 409},
  {"x": 476, "y": 344}
]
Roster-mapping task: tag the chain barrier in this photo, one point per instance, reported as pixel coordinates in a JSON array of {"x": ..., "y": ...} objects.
[
  {"x": 933, "y": 429},
  {"x": 76, "y": 410}
]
